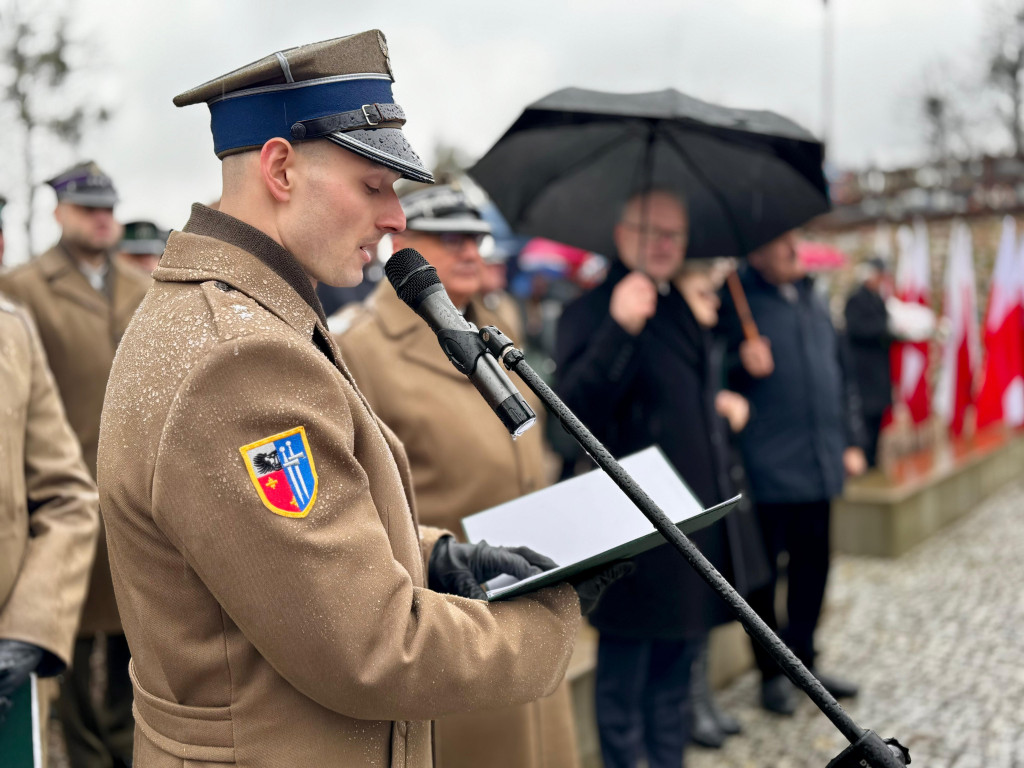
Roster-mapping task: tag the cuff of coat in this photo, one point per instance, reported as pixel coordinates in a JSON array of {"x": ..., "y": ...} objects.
[
  {"x": 52, "y": 663},
  {"x": 428, "y": 538}
]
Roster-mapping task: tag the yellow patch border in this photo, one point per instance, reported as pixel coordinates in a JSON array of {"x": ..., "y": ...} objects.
[{"x": 244, "y": 450}]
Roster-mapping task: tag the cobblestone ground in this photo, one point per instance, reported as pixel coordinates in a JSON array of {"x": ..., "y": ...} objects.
[{"x": 936, "y": 640}]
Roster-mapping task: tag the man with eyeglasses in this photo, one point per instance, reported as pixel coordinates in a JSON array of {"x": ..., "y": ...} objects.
[
  {"x": 633, "y": 363},
  {"x": 461, "y": 457}
]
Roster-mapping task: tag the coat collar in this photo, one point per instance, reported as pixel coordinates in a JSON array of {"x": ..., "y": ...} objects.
[
  {"x": 65, "y": 279},
  {"x": 416, "y": 341},
  {"x": 200, "y": 256},
  {"x": 754, "y": 281}
]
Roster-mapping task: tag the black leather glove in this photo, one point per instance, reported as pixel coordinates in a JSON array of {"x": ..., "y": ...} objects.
[
  {"x": 459, "y": 569},
  {"x": 591, "y": 589},
  {"x": 17, "y": 660}
]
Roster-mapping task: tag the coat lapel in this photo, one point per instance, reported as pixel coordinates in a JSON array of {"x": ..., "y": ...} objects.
[
  {"x": 67, "y": 281},
  {"x": 126, "y": 291},
  {"x": 675, "y": 326},
  {"x": 416, "y": 341}
]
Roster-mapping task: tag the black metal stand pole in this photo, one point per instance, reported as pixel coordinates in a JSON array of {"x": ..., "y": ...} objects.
[{"x": 501, "y": 347}]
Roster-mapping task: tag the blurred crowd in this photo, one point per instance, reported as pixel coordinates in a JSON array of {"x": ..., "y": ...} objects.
[{"x": 646, "y": 346}]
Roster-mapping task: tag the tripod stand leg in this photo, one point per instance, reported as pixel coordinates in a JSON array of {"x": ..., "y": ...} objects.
[{"x": 870, "y": 751}]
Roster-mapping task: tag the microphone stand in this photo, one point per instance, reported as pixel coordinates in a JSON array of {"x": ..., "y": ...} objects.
[{"x": 867, "y": 749}]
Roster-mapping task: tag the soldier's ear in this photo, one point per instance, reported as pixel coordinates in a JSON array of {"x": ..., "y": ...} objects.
[{"x": 278, "y": 168}]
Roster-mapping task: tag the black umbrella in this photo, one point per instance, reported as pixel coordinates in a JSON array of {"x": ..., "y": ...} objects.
[{"x": 569, "y": 163}]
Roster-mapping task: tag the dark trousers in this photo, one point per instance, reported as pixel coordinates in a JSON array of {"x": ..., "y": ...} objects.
[
  {"x": 98, "y": 738},
  {"x": 802, "y": 531},
  {"x": 872, "y": 431},
  {"x": 643, "y": 700}
]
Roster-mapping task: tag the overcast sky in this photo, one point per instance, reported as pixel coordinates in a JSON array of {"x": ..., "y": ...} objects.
[{"x": 465, "y": 70}]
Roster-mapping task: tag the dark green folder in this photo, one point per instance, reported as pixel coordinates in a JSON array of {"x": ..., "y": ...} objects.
[
  {"x": 580, "y": 570},
  {"x": 20, "y": 745}
]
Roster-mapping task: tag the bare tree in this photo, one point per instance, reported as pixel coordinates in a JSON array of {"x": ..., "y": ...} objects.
[
  {"x": 1004, "y": 54},
  {"x": 946, "y": 107},
  {"x": 36, "y": 52},
  {"x": 451, "y": 162}
]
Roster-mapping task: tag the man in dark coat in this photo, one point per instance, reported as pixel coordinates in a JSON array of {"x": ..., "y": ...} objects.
[
  {"x": 803, "y": 438},
  {"x": 632, "y": 363},
  {"x": 867, "y": 332}
]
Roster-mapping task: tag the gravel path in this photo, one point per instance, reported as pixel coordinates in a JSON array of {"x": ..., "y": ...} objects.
[{"x": 936, "y": 640}]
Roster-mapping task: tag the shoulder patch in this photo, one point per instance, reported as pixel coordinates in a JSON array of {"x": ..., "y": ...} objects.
[{"x": 282, "y": 471}]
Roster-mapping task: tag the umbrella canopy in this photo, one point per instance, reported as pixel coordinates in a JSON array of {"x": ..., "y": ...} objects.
[{"x": 569, "y": 163}]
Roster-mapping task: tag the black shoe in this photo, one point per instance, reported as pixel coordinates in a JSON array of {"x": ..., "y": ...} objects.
[
  {"x": 704, "y": 729},
  {"x": 778, "y": 695},
  {"x": 841, "y": 689},
  {"x": 728, "y": 724}
]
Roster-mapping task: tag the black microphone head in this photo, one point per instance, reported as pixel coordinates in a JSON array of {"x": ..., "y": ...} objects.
[{"x": 410, "y": 274}]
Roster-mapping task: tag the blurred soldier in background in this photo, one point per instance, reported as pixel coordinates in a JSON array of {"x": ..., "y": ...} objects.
[
  {"x": 446, "y": 427},
  {"x": 48, "y": 516},
  {"x": 81, "y": 299},
  {"x": 142, "y": 244},
  {"x": 494, "y": 290}
]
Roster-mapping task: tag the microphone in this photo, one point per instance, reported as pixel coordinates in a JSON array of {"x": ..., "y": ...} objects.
[{"x": 418, "y": 285}]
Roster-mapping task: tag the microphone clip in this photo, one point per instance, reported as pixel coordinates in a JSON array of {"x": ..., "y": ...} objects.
[
  {"x": 463, "y": 348},
  {"x": 500, "y": 346}
]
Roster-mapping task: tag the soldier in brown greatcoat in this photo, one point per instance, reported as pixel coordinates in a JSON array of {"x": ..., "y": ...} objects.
[
  {"x": 81, "y": 299},
  {"x": 142, "y": 245},
  {"x": 282, "y": 604},
  {"x": 462, "y": 458},
  {"x": 48, "y": 515}
]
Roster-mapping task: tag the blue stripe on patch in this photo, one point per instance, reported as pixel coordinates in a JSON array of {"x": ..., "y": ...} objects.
[{"x": 295, "y": 462}]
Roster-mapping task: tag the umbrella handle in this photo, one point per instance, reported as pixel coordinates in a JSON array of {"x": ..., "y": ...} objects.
[{"x": 739, "y": 299}]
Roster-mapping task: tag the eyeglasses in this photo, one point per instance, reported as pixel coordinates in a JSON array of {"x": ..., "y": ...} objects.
[
  {"x": 674, "y": 236},
  {"x": 456, "y": 241}
]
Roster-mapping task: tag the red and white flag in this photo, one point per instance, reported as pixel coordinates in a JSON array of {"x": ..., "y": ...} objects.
[
  {"x": 909, "y": 359},
  {"x": 961, "y": 354},
  {"x": 1002, "y": 389}
]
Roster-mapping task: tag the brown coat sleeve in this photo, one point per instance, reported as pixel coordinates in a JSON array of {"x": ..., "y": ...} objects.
[
  {"x": 324, "y": 598},
  {"x": 428, "y": 538},
  {"x": 45, "y": 603}
]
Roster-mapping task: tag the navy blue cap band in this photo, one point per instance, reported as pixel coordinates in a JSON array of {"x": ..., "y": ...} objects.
[{"x": 252, "y": 119}]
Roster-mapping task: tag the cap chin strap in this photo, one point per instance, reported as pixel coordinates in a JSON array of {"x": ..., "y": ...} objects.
[{"x": 367, "y": 116}]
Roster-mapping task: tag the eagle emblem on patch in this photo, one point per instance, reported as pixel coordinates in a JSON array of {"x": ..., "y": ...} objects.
[{"x": 282, "y": 469}]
